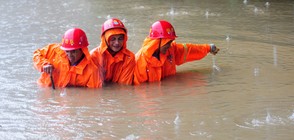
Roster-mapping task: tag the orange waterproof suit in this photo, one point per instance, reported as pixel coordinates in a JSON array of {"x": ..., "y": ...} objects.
[
  {"x": 149, "y": 68},
  {"x": 85, "y": 74},
  {"x": 118, "y": 68}
]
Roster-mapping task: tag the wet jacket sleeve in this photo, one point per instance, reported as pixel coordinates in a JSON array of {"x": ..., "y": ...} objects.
[
  {"x": 140, "y": 72},
  {"x": 95, "y": 80},
  {"x": 96, "y": 57},
  {"x": 41, "y": 57},
  {"x": 190, "y": 52}
]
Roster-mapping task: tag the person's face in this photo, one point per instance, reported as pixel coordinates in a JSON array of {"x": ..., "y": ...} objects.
[
  {"x": 74, "y": 55},
  {"x": 164, "y": 48},
  {"x": 116, "y": 42}
]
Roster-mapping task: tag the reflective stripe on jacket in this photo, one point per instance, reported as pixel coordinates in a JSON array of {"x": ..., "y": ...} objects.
[
  {"x": 85, "y": 74},
  {"x": 150, "y": 69}
]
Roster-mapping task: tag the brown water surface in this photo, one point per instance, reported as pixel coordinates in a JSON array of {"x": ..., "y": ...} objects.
[{"x": 245, "y": 92}]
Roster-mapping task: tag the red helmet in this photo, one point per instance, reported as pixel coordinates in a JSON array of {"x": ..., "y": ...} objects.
[
  {"x": 111, "y": 24},
  {"x": 73, "y": 39},
  {"x": 162, "y": 29}
]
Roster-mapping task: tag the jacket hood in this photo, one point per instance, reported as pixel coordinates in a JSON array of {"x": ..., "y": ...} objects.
[
  {"x": 151, "y": 45},
  {"x": 105, "y": 37},
  {"x": 86, "y": 52}
]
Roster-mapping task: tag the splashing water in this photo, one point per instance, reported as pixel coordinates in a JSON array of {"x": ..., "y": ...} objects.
[
  {"x": 63, "y": 92},
  {"x": 177, "y": 119},
  {"x": 214, "y": 66},
  {"x": 245, "y": 1},
  {"x": 177, "y": 122},
  {"x": 255, "y": 10},
  {"x": 171, "y": 12},
  {"x": 273, "y": 120},
  {"x": 206, "y": 14},
  {"x": 131, "y": 137},
  {"x": 228, "y": 39},
  {"x": 256, "y": 71},
  {"x": 291, "y": 117},
  {"x": 267, "y": 4}
]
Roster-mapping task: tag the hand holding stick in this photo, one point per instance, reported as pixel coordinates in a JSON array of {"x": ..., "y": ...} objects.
[{"x": 49, "y": 69}]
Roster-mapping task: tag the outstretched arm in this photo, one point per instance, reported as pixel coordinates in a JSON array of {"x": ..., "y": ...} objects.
[{"x": 190, "y": 52}]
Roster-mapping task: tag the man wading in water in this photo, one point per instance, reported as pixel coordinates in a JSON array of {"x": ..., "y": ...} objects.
[
  {"x": 68, "y": 63},
  {"x": 160, "y": 53}
]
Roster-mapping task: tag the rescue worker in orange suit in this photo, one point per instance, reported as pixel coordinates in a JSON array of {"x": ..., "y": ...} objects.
[
  {"x": 69, "y": 62},
  {"x": 160, "y": 53},
  {"x": 117, "y": 61}
]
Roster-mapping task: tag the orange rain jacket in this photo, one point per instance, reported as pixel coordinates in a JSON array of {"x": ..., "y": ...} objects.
[
  {"x": 85, "y": 74},
  {"x": 149, "y": 68},
  {"x": 117, "y": 69}
]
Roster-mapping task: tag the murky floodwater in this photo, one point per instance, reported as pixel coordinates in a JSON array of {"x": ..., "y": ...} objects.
[{"x": 245, "y": 92}]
